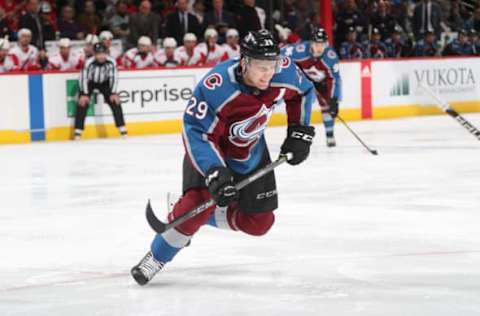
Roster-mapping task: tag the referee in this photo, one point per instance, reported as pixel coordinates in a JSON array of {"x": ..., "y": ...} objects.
[{"x": 99, "y": 73}]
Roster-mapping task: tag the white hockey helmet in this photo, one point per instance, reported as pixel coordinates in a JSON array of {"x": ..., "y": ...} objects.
[
  {"x": 189, "y": 37},
  {"x": 23, "y": 32},
  {"x": 106, "y": 35},
  {"x": 232, "y": 33},
  {"x": 169, "y": 42},
  {"x": 210, "y": 33},
  {"x": 144, "y": 40},
  {"x": 4, "y": 44},
  {"x": 64, "y": 42},
  {"x": 91, "y": 39}
]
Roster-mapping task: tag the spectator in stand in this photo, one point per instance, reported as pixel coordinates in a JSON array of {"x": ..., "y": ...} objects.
[
  {"x": 474, "y": 22},
  {"x": 144, "y": 23},
  {"x": 88, "y": 20},
  {"x": 181, "y": 22},
  {"x": 459, "y": 46},
  {"x": 48, "y": 26},
  {"x": 5, "y": 30},
  {"x": 139, "y": 57},
  {"x": 8, "y": 62},
  {"x": 31, "y": 20},
  {"x": 198, "y": 10},
  {"x": 219, "y": 14},
  {"x": 375, "y": 48},
  {"x": 383, "y": 21},
  {"x": 67, "y": 26},
  {"x": 396, "y": 45},
  {"x": 87, "y": 51},
  {"x": 11, "y": 8},
  {"x": 64, "y": 59},
  {"x": 186, "y": 53},
  {"x": 427, "y": 17},
  {"x": 209, "y": 51},
  {"x": 351, "y": 49},
  {"x": 455, "y": 20},
  {"x": 26, "y": 53},
  {"x": 119, "y": 23},
  {"x": 347, "y": 18},
  {"x": 248, "y": 18},
  {"x": 166, "y": 57},
  {"x": 232, "y": 47},
  {"x": 474, "y": 41},
  {"x": 427, "y": 47}
]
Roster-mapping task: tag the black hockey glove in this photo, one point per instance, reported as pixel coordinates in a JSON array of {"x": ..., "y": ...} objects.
[
  {"x": 219, "y": 181},
  {"x": 333, "y": 107},
  {"x": 298, "y": 142}
]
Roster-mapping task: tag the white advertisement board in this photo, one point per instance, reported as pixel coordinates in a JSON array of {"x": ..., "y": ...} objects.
[
  {"x": 397, "y": 83},
  {"x": 351, "y": 85},
  {"x": 150, "y": 95},
  {"x": 14, "y": 109}
]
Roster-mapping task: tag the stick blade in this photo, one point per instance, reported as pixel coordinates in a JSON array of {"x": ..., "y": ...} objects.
[
  {"x": 374, "y": 152},
  {"x": 157, "y": 225}
]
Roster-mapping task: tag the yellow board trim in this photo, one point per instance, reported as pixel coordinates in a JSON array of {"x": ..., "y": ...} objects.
[
  {"x": 14, "y": 137},
  {"x": 175, "y": 126}
]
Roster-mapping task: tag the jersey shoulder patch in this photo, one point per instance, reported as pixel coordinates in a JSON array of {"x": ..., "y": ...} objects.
[
  {"x": 216, "y": 86},
  {"x": 331, "y": 54}
]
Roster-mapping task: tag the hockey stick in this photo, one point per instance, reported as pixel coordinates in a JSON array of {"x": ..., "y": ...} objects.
[
  {"x": 372, "y": 151},
  {"x": 454, "y": 114},
  {"x": 159, "y": 227}
]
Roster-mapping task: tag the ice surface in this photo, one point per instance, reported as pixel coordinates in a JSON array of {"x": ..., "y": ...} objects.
[{"x": 355, "y": 234}]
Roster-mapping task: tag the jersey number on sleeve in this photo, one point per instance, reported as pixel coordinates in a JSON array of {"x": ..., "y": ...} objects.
[{"x": 199, "y": 111}]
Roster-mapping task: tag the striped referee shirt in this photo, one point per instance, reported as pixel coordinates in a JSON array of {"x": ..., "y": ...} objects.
[{"x": 99, "y": 73}]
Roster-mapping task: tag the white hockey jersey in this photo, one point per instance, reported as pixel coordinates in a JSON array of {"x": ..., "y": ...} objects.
[
  {"x": 28, "y": 60},
  {"x": 186, "y": 59},
  {"x": 133, "y": 60},
  {"x": 10, "y": 63},
  {"x": 57, "y": 62},
  {"x": 231, "y": 51},
  {"x": 210, "y": 57},
  {"x": 162, "y": 60}
]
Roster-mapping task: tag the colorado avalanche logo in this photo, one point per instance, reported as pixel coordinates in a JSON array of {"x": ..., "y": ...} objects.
[
  {"x": 248, "y": 131},
  {"x": 315, "y": 74},
  {"x": 213, "y": 81},
  {"x": 285, "y": 62}
]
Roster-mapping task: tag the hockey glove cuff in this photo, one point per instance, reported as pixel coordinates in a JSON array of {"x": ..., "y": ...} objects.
[
  {"x": 298, "y": 142},
  {"x": 219, "y": 181}
]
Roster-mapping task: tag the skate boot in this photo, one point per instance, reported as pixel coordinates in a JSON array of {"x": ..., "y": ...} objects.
[
  {"x": 331, "y": 141},
  {"x": 77, "y": 134},
  {"x": 146, "y": 269}
]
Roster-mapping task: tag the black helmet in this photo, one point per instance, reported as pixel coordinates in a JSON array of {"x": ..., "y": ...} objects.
[
  {"x": 260, "y": 45},
  {"x": 319, "y": 35},
  {"x": 99, "y": 48}
]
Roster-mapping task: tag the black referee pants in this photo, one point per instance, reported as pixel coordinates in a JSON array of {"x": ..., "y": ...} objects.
[{"x": 116, "y": 108}]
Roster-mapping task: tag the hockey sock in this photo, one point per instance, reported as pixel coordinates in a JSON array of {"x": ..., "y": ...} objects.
[
  {"x": 166, "y": 246},
  {"x": 219, "y": 219},
  {"x": 328, "y": 122}
]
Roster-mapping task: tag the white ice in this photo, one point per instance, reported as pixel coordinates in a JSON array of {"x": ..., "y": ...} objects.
[{"x": 355, "y": 234}]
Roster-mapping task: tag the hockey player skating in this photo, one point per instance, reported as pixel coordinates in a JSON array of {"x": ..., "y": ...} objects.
[
  {"x": 320, "y": 64},
  {"x": 223, "y": 129}
]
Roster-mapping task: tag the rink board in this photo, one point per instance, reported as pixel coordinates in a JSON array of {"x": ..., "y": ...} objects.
[{"x": 153, "y": 100}]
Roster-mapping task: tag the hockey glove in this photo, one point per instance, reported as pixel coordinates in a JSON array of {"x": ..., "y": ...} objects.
[
  {"x": 333, "y": 107},
  {"x": 298, "y": 142},
  {"x": 219, "y": 181}
]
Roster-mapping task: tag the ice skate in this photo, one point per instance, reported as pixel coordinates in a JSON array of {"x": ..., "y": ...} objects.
[
  {"x": 146, "y": 269},
  {"x": 331, "y": 141}
]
